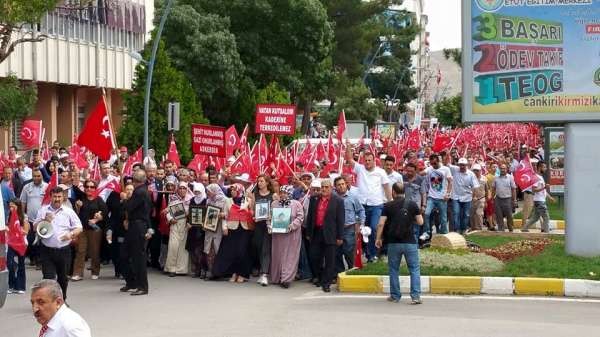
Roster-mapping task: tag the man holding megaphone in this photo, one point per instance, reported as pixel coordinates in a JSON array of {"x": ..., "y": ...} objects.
[{"x": 57, "y": 226}]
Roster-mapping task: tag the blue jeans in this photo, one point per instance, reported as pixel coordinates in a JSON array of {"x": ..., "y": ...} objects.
[
  {"x": 372, "y": 213},
  {"x": 16, "y": 270},
  {"x": 442, "y": 205},
  {"x": 461, "y": 211},
  {"x": 411, "y": 254},
  {"x": 346, "y": 251}
]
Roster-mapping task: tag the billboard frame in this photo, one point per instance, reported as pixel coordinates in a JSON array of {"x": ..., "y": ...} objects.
[{"x": 467, "y": 86}]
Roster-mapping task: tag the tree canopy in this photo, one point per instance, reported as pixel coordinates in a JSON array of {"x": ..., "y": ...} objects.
[
  {"x": 168, "y": 85},
  {"x": 17, "y": 100}
]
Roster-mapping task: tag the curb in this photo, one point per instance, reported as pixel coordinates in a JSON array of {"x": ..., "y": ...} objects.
[
  {"x": 473, "y": 285},
  {"x": 554, "y": 224}
]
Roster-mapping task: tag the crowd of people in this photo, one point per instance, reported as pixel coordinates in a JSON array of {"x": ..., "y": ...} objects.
[{"x": 215, "y": 225}]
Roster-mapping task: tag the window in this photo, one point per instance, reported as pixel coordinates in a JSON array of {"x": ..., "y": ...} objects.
[{"x": 80, "y": 117}]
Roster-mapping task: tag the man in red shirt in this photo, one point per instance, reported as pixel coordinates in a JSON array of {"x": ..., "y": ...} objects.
[{"x": 324, "y": 230}]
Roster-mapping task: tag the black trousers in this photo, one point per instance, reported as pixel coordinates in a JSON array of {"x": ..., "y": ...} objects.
[
  {"x": 154, "y": 248},
  {"x": 55, "y": 265},
  {"x": 136, "y": 249},
  {"x": 322, "y": 258}
]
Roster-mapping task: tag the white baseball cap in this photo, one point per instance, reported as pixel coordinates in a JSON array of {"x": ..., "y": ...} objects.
[
  {"x": 316, "y": 183},
  {"x": 476, "y": 167},
  {"x": 463, "y": 161}
]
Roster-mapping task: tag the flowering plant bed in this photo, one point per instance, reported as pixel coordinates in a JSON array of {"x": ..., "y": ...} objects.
[{"x": 513, "y": 256}]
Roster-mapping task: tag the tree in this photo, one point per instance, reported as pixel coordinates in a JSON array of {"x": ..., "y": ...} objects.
[
  {"x": 15, "y": 15},
  {"x": 242, "y": 46},
  {"x": 449, "y": 111},
  {"x": 455, "y": 54},
  {"x": 168, "y": 85},
  {"x": 17, "y": 100},
  {"x": 357, "y": 105}
]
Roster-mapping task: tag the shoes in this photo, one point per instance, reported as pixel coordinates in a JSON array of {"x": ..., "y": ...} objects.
[
  {"x": 524, "y": 230},
  {"x": 126, "y": 289},
  {"x": 233, "y": 278},
  {"x": 393, "y": 300},
  {"x": 240, "y": 279},
  {"x": 95, "y": 277},
  {"x": 139, "y": 292},
  {"x": 172, "y": 274},
  {"x": 424, "y": 236},
  {"x": 416, "y": 301},
  {"x": 285, "y": 285},
  {"x": 11, "y": 291},
  {"x": 326, "y": 289},
  {"x": 262, "y": 280},
  {"x": 315, "y": 281},
  {"x": 20, "y": 292},
  {"x": 76, "y": 278}
]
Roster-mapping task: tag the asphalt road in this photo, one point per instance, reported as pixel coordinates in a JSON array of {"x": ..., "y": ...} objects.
[{"x": 184, "y": 306}]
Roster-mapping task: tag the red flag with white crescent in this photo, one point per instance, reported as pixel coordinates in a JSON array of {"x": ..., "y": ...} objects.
[
  {"x": 341, "y": 125},
  {"x": 232, "y": 141},
  {"x": 97, "y": 134},
  {"x": 525, "y": 176},
  {"x": 51, "y": 185},
  {"x": 31, "y": 133},
  {"x": 15, "y": 238},
  {"x": 173, "y": 154}
]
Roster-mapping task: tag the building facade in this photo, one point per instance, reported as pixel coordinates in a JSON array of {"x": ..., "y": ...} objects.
[{"x": 87, "y": 51}]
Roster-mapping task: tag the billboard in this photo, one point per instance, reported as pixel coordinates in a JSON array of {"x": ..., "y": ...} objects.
[
  {"x": 555, "y": 154},
  {"x": 275, "y": 119},
  {"x": 531, "y": 60},
  {"x": 208, "y": 140}
]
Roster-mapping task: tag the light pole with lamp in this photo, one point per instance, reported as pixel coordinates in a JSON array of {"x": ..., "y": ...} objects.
[{"x": 151, "y": 71}]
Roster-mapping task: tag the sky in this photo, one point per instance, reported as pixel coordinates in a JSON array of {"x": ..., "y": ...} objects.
[{"x": 444, "y": 23}]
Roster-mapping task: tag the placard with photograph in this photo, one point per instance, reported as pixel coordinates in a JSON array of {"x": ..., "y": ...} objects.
[
  {"x": 281, "y": 219},
  {"x": 177, "y": 211},
  {"x": 197, "y": 215},
  {"x": 261, "y": 210},
  {"x": 212, "y": 218}
]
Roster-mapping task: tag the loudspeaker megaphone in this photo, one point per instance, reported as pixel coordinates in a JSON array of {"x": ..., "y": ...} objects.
[{"x": 44, "y": 229}]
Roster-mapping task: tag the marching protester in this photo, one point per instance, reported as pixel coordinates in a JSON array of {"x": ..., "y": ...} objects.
[
  {"x": 354, "y": 218},
  {"x": 55, "y": 252},
  {"x": 541, "y": 193},
  {"x": 177, "y": 256},
  {"x": 463, "y": 184},
  {"x": 286, "y": 245},
  {"x": 261, "y": 239},
  {"x": 16, "y": 270},
  {"x": 439, "y": 190},
  {"x": 504, "y": 191}
]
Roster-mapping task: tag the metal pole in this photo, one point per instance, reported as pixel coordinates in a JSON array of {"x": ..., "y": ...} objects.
[
  {"x": 150, "y": 72},
  {"x": 364, "y": 79}
]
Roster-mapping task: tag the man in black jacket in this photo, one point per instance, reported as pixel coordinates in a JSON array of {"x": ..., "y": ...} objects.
[
  {"x": 324, "y": 230},
  {"x": 137, "y": 209}
]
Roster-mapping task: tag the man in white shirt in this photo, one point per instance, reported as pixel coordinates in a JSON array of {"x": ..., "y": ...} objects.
[
  {"x": 106, "y": 177},
  {"x": 439, "y": 189},
  {"x": 463, "y": 183},
  {"x": 393, "y": 175},
  {"x": 55, "y": 251},
  {"x": 540, "y": 190},
  {"x": 50, "y": 310},
  {"x": 375, "y": 189}
]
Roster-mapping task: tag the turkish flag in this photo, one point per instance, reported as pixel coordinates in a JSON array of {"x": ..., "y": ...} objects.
[
  {"x": 244, "y": 137},
  {"x": 274, "y": 150},
  {"x": 441, "y": 142},
  {"x": 284, "y": 171},
  {"x": 78, "y": 156},
  {"x": 15, "y": 238},
  {"x": 51, "y": 185},
  {"x": 306, "y": 153},
  {"x": 358, "y": 254},
  {"x": 132, "y": 160},
  {"x": 232, "y": 141},
  {"x": 172, "y": 154},
  {"x": 196, "y": 163},
  {"x": 414, "y": 139},
  {"x": 45, "y": 151},
  {"x": 341, "y": 125},
  {"x": 96, "y": 171},
  {"x": 97, "y": 134},
  {"x": 31, "y": 133},
  {"x": 525, "y": 176},
  {"x": 111, "y": 185}
]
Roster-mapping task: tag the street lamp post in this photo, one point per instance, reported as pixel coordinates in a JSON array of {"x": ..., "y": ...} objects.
[{"x": 151, "y": 71}]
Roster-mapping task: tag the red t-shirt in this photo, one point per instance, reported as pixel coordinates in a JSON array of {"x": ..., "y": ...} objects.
[{"x": 321, "y": 209}]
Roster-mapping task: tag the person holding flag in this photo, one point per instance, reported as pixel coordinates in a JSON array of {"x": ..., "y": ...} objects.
[
  {"x": 541, "y": 192},
  {"x": 18, "y": 227}
]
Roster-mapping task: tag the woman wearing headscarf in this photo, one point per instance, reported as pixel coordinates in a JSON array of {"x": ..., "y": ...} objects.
[
  {"x": 177, "y": 257},
  {"x": 232, "y": 258},
  {"x": 212, "y": 240},
  {"x": 195, "y": 239},
  {"x": 162, "y": 201},
  {"x": 285, "y": 247}
]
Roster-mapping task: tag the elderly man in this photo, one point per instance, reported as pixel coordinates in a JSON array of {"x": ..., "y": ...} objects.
[
  {"x": 55, "y": 317},
  {"x": 31, "y": 197},
  {"x": 480, "y": 195}
]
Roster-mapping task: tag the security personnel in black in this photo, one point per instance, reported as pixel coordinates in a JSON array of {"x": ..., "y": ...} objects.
[{"x": 137, "y": 211}]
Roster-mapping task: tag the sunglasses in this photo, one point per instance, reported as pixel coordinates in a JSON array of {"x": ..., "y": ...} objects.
[{"x": 90, "y": 186}]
